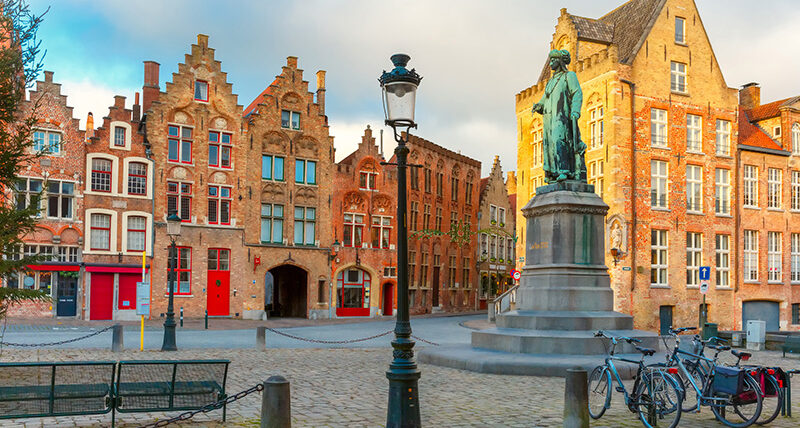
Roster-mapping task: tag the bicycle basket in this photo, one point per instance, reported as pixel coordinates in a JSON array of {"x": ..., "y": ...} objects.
[{"x": 728, "y": 380}]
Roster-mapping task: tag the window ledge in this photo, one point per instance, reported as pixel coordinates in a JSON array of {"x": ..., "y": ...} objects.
[
  {"x": 795, "y": 283},
  {"x": 683, "y": 94},
  {"x": 666, "y": 210},
  {"x": 774, "y": 282},
  {"x": 660, "y": 147},
  {"x": 724, "y": 288},
  {"x": 752, "y": 282},
  {"x": 695, "y": 152},
  {"x": 750, "y": 207},
  {"x": 794, "y": 211},
  {"x": 221, "y": 168},
  {"x": 682, "y": 44},
  {"x": 780, "y": 210},
  {"x": 724, "y": 156},
  {"x": 663, "y": 287},
  {"x": 692, "y": 287},
  {"x": 695, "y": 212},
  {"x": 724, "y": 215}
]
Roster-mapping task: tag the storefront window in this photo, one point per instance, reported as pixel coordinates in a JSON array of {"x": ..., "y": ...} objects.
[{"x": 353, "y": 288}]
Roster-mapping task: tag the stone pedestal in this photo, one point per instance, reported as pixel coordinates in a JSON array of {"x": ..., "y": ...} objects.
[{"x": 564, "y": 296}]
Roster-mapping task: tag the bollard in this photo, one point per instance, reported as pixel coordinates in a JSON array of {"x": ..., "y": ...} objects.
[
  {"x": 261, "y": 341},
  {"x": 206, "y": 319},
  {"x": 276, "y": 409},
  {"x": 181, "y": 316},
  {"x": 116, "y": 339},
  {"x": 576, "y": 399}
]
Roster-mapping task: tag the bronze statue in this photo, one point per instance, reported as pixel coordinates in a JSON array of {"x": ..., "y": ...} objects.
[{"x": 560, "y": 107}]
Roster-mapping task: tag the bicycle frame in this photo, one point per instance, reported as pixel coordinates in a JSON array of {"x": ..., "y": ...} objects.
[
  {"x": 610, "y": 363},
  {"x": 702, "y": 398}
]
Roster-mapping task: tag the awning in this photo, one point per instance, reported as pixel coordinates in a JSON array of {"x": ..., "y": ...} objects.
[
  {"x": 113, "y": 269},
  {"x": 55, "y": 268}
]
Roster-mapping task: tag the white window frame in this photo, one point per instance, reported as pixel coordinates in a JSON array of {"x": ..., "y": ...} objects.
[
  {"x": 796, "y": 139},
  {"x": 47, "y": 145},
  {"x": 371, "y": 180},
  {"x": 595, "y": 176},
  {"x": 596, "y": 127},
  {"x": 112, "y": 245},
  {"x": 112, "y": 135},
  {"x": 356, "y": 221},
  {"x": 678, "y": 81},
  {"x": 272, "y": 218},
  {"x": 148, "y": 235},
  {"x": 774, "y": 257},
  {"x": 723, "y": 138},
  {"x": 795, "y": 255},
  {"x": 774, "y": 188},
  {"x": 292, "y": 114},
  {"x": 694, "y": 189},
  {"x": 659, "y": 250},
  {"x": 658, "y": 128},
  {"x": 750, "y": 262},
  {"x": 148, "y": 186},
  {"x": 722, "y": 191},
  {"x": 750, "y": 186},
  {"x": 47, "y": 195},
  {"x": 694, "y": 133},
  {"x": 114, "y": 174},
  {"x": 694, "y": 258},
  {"x": 795, "y": 206},
  {"x": 722, "y": 260},
  {"x": 381, "y": 223},
  {"x": 659, "y": 184},
  {"x": 28, "y": 193},
  {"x": 682, "y": 33}
]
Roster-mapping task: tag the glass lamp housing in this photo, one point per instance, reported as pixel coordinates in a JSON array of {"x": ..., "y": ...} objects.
[
  {"x": 399, "y": 88},
  {"x": 173, "y": 224}
]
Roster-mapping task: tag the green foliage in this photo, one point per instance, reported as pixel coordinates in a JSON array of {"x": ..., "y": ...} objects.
[{"x": 11, "y": 296}]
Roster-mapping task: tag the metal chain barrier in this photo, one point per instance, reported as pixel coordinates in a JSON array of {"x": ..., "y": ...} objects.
[
  {"x": 329, "y": 342},
  {"x": 425, "y": 341},
  {"x": 61, "y": 342},
  {"x": 205, "y": 409}
]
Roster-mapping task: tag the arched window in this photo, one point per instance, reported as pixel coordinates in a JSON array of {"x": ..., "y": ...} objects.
[{"x": 796, "y": 138}]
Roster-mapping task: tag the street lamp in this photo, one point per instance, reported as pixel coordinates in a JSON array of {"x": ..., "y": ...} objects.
[
  {"x": 399, "y": 88},
  {"x": 173, "y": 230},
  {"x": 336, "y": 247}
]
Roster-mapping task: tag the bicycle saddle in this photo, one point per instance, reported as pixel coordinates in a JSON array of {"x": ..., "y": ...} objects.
[
  {"x": 646, "y": 351},
  {"x": 744, "y": 355}
]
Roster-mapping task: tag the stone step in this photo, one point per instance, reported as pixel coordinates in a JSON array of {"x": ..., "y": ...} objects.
[
  {"x": 565, "y": 320},
  {"x": 582, "y": 342},
  {"x": 565, "y": 298}
]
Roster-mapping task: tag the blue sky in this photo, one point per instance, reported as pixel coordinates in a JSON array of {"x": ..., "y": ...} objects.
[{"x": 474, "y": 55}]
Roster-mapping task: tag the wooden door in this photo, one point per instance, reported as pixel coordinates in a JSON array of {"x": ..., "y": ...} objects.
[
  {"x": 388, "y": 299},
  {"x": 101, "y": 296},
  {"x": 219, "y": 283},
  {"x": 435, "y": 298},
  {"x": 665, "y": 316}
]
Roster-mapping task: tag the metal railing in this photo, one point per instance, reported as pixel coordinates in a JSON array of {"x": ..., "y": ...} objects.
[{"x": 503, "y": 303}]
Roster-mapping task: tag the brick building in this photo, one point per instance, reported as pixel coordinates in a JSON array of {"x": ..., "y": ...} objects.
[
  {"x": 442, "y": 204},
  {"x": 364, "y": 218},
  {"x": 495, "y": 253},
  {"x": 659, "y": 122},
  {"x": 288, "y": 194},
  {"x": 58, "y": 175},
  {"x": 118, "y": 201}
]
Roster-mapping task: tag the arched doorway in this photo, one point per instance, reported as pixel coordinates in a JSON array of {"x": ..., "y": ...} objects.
[
  {"x": 352, "y": 292},
  {"x": 388, "y": 299},
  {"x": 289, "y": 291}
]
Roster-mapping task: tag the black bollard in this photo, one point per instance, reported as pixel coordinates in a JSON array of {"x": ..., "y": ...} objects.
[
  {"x": 116, "y": 339},
  {"x": 276, "y": 409},
  {"x": 206, "y": 319},
  {"x": 576, "y": 399},
  {"x": 181, "y": 316},
  {"x": 261, "y": 341}
]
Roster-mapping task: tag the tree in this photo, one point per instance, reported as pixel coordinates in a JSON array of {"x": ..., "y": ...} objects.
[{"x": 20, "y": 64}]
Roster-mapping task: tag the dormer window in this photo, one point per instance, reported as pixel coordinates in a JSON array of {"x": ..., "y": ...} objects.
[
  {"x": 47, "y": 142},
  {"x": 680, "y": 30},
  {"x": 119, "y": 136},
  {"x": 290, "y": 119},
  {"x": 200, "y": 90},
  {"x": 366, "y": 180}
]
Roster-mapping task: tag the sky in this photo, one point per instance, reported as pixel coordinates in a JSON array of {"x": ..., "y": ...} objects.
[{"x": 474, "y": 56}]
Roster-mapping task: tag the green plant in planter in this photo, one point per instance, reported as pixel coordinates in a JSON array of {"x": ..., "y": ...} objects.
[
  {"x": 501, "y": 260},
  {"x": 494, "y": 222},
  {"x": 502, "y": 224},
  {"x": 493, "y": 259}
]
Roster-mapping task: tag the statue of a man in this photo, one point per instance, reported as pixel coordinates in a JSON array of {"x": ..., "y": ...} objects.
[{"x": 560, "y": 107}]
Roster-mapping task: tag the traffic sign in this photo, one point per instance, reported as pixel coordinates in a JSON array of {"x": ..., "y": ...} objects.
[
  {"x": 705, "y": 273},
  {"x": 143, "y": 298},
  {"x": 703, "y": 287},
  {"x": 516, "y": 274}
]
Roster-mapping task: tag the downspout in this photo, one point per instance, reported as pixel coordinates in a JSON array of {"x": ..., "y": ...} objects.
[
  {"x": 633, "y": 187},
  {"x": 737, "y": 233}
]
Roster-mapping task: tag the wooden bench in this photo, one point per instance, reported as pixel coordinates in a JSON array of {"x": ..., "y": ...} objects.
[
  {"x": 34, "y": 390},
  {"x": 792, "y": 345}
]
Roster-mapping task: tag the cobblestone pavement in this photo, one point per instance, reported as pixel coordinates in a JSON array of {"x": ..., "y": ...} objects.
[{"x": 348, "y": 388}]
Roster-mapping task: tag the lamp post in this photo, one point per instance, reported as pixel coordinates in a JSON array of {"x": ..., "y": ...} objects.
[
  {"x": 336, "y": 247},
  {"x": 399, "y": 88},
  {"x": 173, "y": 230}
]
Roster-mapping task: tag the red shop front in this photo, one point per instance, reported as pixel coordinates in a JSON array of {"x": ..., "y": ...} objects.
[{"x": 352, "y": 292}]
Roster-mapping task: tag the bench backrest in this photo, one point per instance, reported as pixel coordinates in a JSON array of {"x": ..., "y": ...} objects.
[
  {"x": 169, "y": 385},
  {"x": 793, "y": 341},
  {"x": 39, "y": 389}
]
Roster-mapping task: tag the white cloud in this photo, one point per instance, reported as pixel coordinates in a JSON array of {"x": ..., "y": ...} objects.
[{"x": 86, "y": 96}]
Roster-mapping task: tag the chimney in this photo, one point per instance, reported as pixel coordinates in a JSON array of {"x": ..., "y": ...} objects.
[
  {"x": 137, "y": 109},
  {"x": 119, "y": 102},
  {"x": 48, "y": 76},
  {"x": 89, "y": 126},
  {"x": 750, "y": 95},
  {"x": 321, "y": 91},
  {"x": 150, "y": 89},
  {"x": 291, "y": 61}
]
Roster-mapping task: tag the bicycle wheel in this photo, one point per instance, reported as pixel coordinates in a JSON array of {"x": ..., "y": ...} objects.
[
  {"x": 599, "y": 391},
  {"x": 690, "y": 399},
  {"x": 658, "y": 399},
  {"x": 771, "y": 400},
  {"x": 742, "y": 410}
]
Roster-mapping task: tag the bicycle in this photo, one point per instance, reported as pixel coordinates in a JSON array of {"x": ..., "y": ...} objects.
[
  {"x": 656, "y": 395},
  {"x": 723, "y": 388}
]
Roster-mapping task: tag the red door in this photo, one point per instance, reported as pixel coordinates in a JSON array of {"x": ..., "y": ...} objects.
[
  {"x": 126, "y": 296},
  {"x": 219, "y": 282},
  {"x": 388, "y": 299},
  {"x": 101, "y": 296}
]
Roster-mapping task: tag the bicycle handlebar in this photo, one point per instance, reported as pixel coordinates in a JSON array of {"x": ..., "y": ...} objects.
[{"x": 681, "y": 329}]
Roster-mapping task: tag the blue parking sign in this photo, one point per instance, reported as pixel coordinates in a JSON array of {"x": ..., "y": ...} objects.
[{"x": 705, "y": 273}]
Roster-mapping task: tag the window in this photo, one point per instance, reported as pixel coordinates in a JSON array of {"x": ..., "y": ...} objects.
[
  {"x": 776, "y": 131},
  {"x": 271, "y": 223},
  {"x": 219, "y": 205},
  {"x": 179, "y": 198},
  {"x": 414, "y": 215},
  {"x": 219, "y": 259},
  {"x": 183, "y": 270},
  {"x": 492, "y": 247},
  {"x": 774, "y": 176},
  {"x": 694, "y": 138},
  {"x": 47, "y": 142},
  {"x": 596, "y": 176},
  {"x": 453, "y": 188},
  {"x": 492, "y": 214},
  {"x": 723, "y": 137},
  {"x": 60, "y": 196},
  {"x": 423, "y": 271},
  {"x": 200, "y": 90},
  {"x": 694, "y": 258},
  {"x": 795, "y": 313},
  {"x": 484, "y": 245},
  {"x": 413, "y": 177},
  {"x": 389, "y": 272},
  {"x": 137, "y": 232},
  {"x": 366, "y": 180},
  {"x": 271, "y": 167},
  {"x": 381, "y": 231},
  {"x": 722, "y": 191},
  {"x": 678, "y": 77},
  {"x": 353, "y": 229},
  {"x": 658, "y": 184},
  {"x": 465, "y": 272},
  {"x": 27, "y": 193},
  {"x": 290, "y": 119},
  {"x": 723, "y": 260},
  {"x": 453, "y": 220},
  {"x": 680, "y": 30},
  {"x": 774, "y": 256},
  {"x": 595, "y": 127},
  {"x": 658, "y": 127},
  {"x": 795, "y": 190},
  {"x": 510, "y": 250},
  {"x": 468, "y": 193},
  {"x": 439, "y": 184},
  {"x": 305, "y": 171},
  {"x": 438, "y": 219},
  {"x": 179, "y": 144},
  {"x": 750, "y": 255},
  {"x": 795, "y": 258},
  {"x": 750, "y": 186},
  {"x": 427, "y": 180},
  {"x": 304, "y": 225},
  {"x": 101, "y": 175},
  {"x": 101, "y": 232},
  {"x": 68, "y": 254},
  {"x": 501, "y": 248},
  {"x": 412, "y": 268},
  {"x": 537, "y": 147},
  {"x": 796, "y": 139},
  {"x": 501, "y": 216},
  {"x": 137, "y": 178},
  {"x": 426, "y": 217},
  {"x": 658, "y": 258},
  {"x": 694, "y": 188},
  {"x": 119, "y": 136},
  {"x": 451, "y": 272},
  {"x": 219, "y": 149}
]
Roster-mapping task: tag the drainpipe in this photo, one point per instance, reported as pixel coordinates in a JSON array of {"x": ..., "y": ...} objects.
[{"x": 633, "y": 187}]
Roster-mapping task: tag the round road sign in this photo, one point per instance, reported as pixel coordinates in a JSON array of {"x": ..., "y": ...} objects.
[{"x": 516, "y": 274}]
